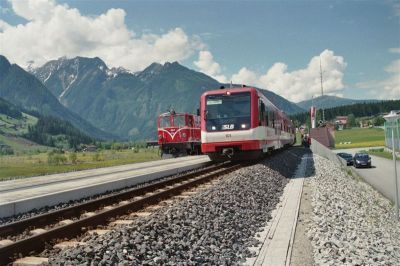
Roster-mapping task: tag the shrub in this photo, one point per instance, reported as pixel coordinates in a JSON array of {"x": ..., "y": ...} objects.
[
  {"x": 6, "y": 150},
  {"x": 97, "y": 157},
  {"x": 56, "y": 158},
  {"x": 376, "y": 150},
  {"x": 73, "y": 157}
]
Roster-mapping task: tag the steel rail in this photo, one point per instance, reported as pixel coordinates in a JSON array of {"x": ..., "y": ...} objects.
[
  {"x": 160, "y": 191},
  {"x": 92, "y": 205}
]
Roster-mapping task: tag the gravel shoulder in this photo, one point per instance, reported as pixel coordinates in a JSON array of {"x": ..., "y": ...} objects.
[{"x": 351, "y": 223}]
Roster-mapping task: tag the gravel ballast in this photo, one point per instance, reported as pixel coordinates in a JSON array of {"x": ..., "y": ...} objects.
[
  {"x": 351, "y": 224},
  {"x": 71, "y": 203},
  {"x": 213, "y": 227}
]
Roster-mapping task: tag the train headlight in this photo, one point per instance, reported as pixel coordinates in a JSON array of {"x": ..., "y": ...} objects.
[
  {"x": 244, "y": 126},
  {"x": 213, "y": 128}
]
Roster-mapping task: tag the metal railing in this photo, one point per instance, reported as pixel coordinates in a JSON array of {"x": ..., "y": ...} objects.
[{"x": 392, "y": 127}]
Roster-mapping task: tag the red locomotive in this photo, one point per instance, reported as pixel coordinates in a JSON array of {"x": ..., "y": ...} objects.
[
  {"x": 178, "y": 134},
  {"x": 241, "y": 123}
]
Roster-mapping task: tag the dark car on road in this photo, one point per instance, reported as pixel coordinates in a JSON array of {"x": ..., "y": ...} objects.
[
  {"x": 361, "y": 160},
  {"x": 347, "y": 156}
]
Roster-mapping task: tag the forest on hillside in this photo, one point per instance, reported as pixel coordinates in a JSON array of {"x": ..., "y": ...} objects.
[
  {"x": 53, "y": 132},
  {"x": 10, "y": 110},
  {"x": 356, "y": 110}
]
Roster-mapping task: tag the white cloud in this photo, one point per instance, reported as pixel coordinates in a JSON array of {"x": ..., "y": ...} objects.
[
  {"x": 3, "y": 26},
  {"x": 55, "y": 30},
  {"x": 385, "y": 89},
  {"x": 207, "y": 65},
  {"x": 300, "y": 84},
  {"x": 395, "y": 50},
  {"x": 34, "y": 10},
  {"x": 245, "y": 76},
  {"x": 396, "y": 8}
]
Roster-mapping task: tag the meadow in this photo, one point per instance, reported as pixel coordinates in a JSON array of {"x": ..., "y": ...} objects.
[
  {"x": 16, "y": 126},
  {"x": 359, "y": 137},
  {"x": 17, "y": 166},
  {"x": 381, "y": 153}
]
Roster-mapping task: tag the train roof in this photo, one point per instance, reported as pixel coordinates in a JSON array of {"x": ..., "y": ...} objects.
[
  {"x": 237, "y": 89},
  {"x": 246, "y": 89},
  {"x": 240, "y": 89},
  {"x": 174, "y": 113}
]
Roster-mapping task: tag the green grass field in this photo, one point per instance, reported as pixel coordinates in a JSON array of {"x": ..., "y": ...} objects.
[
  {"x": 22, "y": 146},
  {"x": 381, "y": 153},
  {"x": 359, "y": 137},
  {"x": 12, "y": 129},
  {"x": 14, "y": 126},
  {"x": 33, "y": 165}
]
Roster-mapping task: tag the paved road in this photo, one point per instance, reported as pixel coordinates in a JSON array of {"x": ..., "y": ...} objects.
[{"x": 381, "y": 175}]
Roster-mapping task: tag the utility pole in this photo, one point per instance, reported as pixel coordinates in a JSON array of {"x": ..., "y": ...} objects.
[{"x": 322, "y": 90}]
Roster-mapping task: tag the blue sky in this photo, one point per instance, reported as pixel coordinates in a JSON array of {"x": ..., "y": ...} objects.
[{"x": 246, "y": 39}]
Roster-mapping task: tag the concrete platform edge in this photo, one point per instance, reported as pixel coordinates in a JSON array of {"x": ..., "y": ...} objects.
[
  {"x": 277, "y": 245},
  {"x": 22, "y": 206}
]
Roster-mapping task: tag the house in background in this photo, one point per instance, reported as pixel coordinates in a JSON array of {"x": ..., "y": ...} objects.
[{"x": 341, "y": 122}]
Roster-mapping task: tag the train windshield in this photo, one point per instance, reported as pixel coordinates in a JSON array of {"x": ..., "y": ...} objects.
[
  {"x": 165, "y": 121},
  {"x": 228, "y": 112},
  {"x": 179, "y": 121}
]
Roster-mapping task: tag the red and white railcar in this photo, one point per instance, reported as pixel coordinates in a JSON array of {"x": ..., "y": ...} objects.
[
  {"x": 178, "y": 134},
  {"x": 241, "y": 123}
]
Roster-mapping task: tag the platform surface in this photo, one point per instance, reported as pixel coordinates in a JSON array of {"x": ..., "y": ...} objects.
[
  {"x": 278, "y": 236},
  {"x": 21, "y": 195}
]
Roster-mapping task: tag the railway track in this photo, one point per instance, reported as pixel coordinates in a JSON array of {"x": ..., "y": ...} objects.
[{"x": 98, "y": 212}]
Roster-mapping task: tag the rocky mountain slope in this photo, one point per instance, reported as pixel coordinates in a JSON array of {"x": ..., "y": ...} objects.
[
  {"x": 23, "y": 89},
  {"x": 125, "y": 103}
]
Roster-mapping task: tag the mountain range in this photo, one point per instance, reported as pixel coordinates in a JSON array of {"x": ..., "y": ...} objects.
[
  {"x": 328, "y": 101},
  {"x": 121, "y": 104},
  {"x": 125, "y": 103},
  {"x": 23, "y": 89}
]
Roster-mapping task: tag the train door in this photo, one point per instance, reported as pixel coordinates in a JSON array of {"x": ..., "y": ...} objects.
[{"x": 190, "y": 125}]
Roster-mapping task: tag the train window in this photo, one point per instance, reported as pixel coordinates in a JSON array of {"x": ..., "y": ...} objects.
[
  {"x": 228, "y": 111},
  {"x": 261, "y": 108},
  {"x": 273, "y": 119},
  {"x": 179, "y": 121},
  {"x": 190, "y": 121},
  {"x": 223, "y": 106},
  {"x": 165, "y": 121}
]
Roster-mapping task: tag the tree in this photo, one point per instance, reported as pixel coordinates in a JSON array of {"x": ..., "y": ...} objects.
[
  {"x": 351, "y": 120},
  {"x": 358, "y": 110},
  {"x": 378, "y": 121}
]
